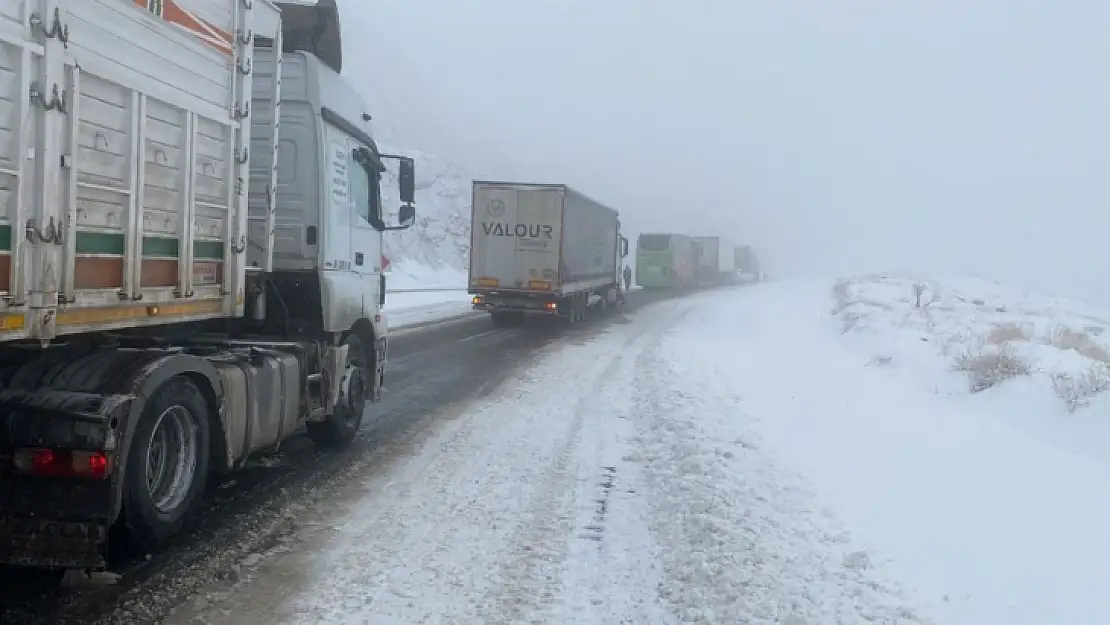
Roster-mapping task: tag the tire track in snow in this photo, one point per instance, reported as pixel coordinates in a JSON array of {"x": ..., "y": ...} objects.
[
  {"x": 614, "y": 577},
  {"x": 739, "y": 538},
  {"x": 452, "y": 523},
  {"x": 571, "y": 567}
]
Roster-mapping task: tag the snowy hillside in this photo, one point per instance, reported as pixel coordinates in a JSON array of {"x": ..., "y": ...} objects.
[
  {"x": 433, "y": 253},
  {"x": 984, "y": 504},
  {"x": 1007, "y": 342}
]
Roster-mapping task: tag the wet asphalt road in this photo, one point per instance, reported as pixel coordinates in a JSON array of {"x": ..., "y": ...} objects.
[{"x": 430, "y": 370}]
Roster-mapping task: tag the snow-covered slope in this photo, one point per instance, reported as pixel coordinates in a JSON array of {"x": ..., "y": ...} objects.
[
  {"x": 1001, "y": 342},
  {"x": 987, "y": 504},
  {"x": 433, "y": 253}
]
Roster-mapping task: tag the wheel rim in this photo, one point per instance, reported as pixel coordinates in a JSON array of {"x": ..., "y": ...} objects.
[{"x": 171, "y": 460}]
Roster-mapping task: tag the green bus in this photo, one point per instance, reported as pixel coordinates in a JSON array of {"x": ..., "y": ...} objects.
[{"x": 665, "y": 261}]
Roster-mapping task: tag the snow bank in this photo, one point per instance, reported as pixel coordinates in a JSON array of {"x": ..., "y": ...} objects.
[
  {"x": 742, "y": 537},
  {"x": 986, "y": 505},
  {"x": 407, "y": 274},
  {"x": 409, "y": 309},
  {"x": 1041, "y": 362}
]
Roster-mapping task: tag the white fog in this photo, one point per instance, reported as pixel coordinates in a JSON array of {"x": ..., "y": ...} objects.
[
  {"x": 285, "y": 343},
  {"x": 946, "y": 137}
]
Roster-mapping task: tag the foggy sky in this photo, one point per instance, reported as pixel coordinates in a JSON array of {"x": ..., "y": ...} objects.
[{"x": 939, "y": 136}]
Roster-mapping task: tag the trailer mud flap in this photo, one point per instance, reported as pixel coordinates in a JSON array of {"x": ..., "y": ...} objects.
[
  {"x": 56, "y": 521},
  {"x": 335, "y": 363},
  {"x": 52, "y": 544}
]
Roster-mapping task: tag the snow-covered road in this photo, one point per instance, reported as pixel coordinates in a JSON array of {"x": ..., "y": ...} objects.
[{"x": 616, "y": 481}]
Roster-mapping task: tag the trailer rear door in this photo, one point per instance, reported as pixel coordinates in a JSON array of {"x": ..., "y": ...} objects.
[{"x": 516, "y": 236}]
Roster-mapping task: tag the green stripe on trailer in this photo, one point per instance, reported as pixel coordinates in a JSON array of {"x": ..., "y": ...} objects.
[{"x": 111, "y": 243}]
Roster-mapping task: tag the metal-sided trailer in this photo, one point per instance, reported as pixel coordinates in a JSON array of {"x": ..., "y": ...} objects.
[{"x": 190, "y": 234}]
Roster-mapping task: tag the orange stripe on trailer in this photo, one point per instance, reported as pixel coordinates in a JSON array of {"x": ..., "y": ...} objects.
[{"x": 172, "y": 12}]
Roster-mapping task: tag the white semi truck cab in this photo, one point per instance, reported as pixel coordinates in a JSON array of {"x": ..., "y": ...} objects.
[{"x": 190, "y": 257}]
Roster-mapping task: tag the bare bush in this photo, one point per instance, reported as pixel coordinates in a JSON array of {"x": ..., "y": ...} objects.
[
  {"x": 918, "y": 291},
  {"x": 955, "y": 339},
  {"x": 1079, "y": 341},
  {"x": 1077, "y": 392},
  {"x": 1007, "y": 332},
  {"x": 990, "y": 366}
]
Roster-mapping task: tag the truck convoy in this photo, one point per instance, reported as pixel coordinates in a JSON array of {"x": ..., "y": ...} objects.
[
  {"x": 716, "y": 261},
  {"x": 666, "y": 261},
  {"x": 543, "y": 249},
  {"x": 190, "y": 272},
  {"x": 747, "y": 264},
  {"x": 677, "y": 261}
]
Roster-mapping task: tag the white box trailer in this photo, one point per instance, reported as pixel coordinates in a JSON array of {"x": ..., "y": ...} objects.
[
  {"x": 543, "y": 248},
  {"x": 716, "y": 260}
]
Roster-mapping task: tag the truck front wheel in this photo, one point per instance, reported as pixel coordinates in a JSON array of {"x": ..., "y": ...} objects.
[
  {"x": 167, "y": 465},
  {"x": 340, "y": 427}
]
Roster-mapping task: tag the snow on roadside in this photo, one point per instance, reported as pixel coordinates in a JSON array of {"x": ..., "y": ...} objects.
[
  {"x": 406, "y": 274},
  {"x": 418, "y": 294},
  {"x": 421, "y": 307},
  {"x": 1032, "y": 358},
  {"x": 986, "y": 522},
  {"x": 743, "y": 538}
]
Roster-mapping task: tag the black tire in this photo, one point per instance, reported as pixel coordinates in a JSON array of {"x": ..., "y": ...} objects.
[
  {"x": 154, "y": 512},
  {"x": 340, "y": 428}
]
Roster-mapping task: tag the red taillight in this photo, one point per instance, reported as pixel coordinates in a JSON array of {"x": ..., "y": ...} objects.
[
  {"x": 62, "y": 463},
  {"x": 41, "y": 460},
  {"x": 98, "y": 465}
]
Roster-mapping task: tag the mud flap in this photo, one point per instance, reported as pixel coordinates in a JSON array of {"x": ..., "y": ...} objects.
[
  {"x": 379, "y": 374},
  {"x": 335, "y": 364}
]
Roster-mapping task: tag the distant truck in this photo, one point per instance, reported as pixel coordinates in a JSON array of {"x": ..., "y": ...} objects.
[
  {"x": 665, "y": 261},
  {"x": 716, "y": 261},
  {"x": 543, "y": 249},
  {"x": 747, "y": 264}
]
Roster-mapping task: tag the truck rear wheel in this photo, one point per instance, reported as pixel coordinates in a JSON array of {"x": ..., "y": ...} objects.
[
  {"x": 167, "y": 465},
  {"x": 339, "y": 429}
]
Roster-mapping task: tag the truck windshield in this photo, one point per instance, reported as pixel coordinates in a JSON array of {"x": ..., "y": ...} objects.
[{"x": 655, "y": 242}]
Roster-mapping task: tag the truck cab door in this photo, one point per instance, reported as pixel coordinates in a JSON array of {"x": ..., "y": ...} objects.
[{"x": 366, "y": 242}]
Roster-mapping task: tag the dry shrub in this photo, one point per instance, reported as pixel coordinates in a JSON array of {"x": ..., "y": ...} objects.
[
  {"x": 1007, "y": 332},
  {"x": 1077, "y": 392},
  {"x": 1081, "y": 342},
  {"x": 990, "y": 366},
  {"x": 956, "y": 339}
]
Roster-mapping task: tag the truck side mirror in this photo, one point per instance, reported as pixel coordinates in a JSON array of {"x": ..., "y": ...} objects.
[
  {"x": 407, "y": 215},
  {"x": 406, "y": 180},
  {"x": 624, "y": 247}
]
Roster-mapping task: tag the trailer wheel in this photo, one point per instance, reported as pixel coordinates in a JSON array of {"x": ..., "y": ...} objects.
[
  {"x": 167, "y": 465},
  {"x": 339, "y": 429}
]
